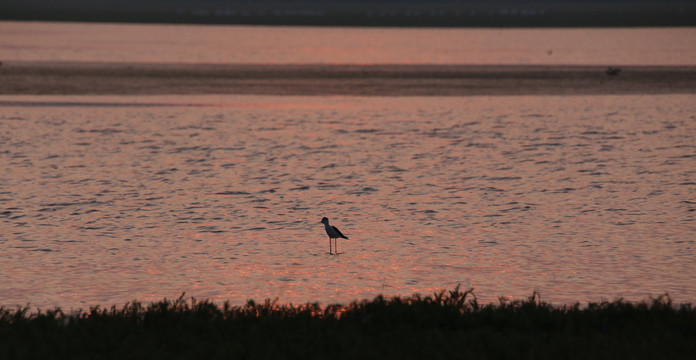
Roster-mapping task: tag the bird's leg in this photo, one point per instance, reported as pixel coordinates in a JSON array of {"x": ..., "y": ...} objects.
[
  {"x": 330, "y": 249},
  {"x": 336, "y": 246}
]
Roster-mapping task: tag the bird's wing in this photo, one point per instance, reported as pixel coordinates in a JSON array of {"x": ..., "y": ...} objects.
[{"x": 339, "y": 232}]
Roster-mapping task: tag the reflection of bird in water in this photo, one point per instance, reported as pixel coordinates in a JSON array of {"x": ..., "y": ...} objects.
[{"x": 333, "y": 233}]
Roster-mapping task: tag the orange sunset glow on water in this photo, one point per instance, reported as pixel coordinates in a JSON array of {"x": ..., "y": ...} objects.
[
  {"x": 147, "y": 43},
  {"x": 577, "y": 197},
  {"x": 106, "y": 198}
]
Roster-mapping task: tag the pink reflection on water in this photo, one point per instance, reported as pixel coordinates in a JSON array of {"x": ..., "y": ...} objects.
[
  {"x": 578, "y": 197},
  {"x": 38, "y": 41}
]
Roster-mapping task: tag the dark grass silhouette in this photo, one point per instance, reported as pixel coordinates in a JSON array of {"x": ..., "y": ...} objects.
[{"x": 445, "y": 325}]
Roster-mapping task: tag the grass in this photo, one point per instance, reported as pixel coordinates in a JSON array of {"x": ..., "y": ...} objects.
[{"x": 445, "y": 325}]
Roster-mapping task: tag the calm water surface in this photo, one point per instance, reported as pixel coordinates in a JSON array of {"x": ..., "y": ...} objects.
[
  {"x": 106, "y": 199},
  {"x": 40, "y": 41}
]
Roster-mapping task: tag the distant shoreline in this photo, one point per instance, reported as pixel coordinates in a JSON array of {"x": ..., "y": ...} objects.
[
  {"x": 414, "y": 13},
  {"x": 77, "y": 78}
]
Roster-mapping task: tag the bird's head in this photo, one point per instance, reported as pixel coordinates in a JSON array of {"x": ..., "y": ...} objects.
[{"x": 325, "y": 220}]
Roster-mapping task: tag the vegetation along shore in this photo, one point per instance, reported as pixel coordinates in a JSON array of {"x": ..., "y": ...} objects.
[
  {"x": 447, "y": 324},
  {"x": 433, "y": 13}
]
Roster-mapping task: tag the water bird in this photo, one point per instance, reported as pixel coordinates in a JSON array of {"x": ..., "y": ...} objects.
[
  {"x": 613, "y": 71},
  {"x": 333, "y": 233}
]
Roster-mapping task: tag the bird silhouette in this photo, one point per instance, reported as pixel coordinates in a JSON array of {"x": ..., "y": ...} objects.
[{"x": 333, "y": 233}]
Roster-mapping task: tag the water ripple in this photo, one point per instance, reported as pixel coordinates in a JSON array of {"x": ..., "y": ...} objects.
[{"x": 568, "y": 195}]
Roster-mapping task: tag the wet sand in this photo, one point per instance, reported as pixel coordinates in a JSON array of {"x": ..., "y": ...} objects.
[{"x": 75, "y": 78}]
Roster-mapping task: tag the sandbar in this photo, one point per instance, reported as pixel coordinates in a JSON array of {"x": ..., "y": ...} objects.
[{"x": 83, "y": 78}]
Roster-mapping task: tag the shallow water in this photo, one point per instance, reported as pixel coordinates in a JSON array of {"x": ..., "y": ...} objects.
[
  {"x": 45, "y": 41},
  {"x": 108, "y": 199}
]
